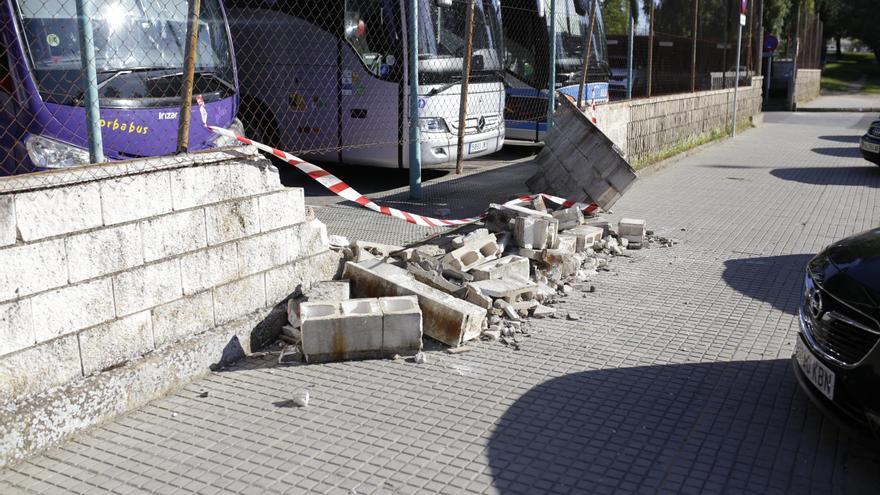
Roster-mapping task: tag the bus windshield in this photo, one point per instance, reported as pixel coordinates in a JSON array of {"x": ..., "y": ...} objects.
[
  {"x": 442, "y": 40},
  {"x": 139, "y": 51},
  {"x": 571, "y": 31}
]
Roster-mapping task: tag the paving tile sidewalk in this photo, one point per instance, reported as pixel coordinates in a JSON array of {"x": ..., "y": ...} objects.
[{"x": 677, "y": 378}]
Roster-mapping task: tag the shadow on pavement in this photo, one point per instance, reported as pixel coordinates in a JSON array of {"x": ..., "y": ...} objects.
[
  {"x": 843, "y": 151},
  {"x": 776, "y": 280},
  {"x": 867, "y": 175},
  {"x": 841, "y": 139},
  {"x": 735, "y": 427}
]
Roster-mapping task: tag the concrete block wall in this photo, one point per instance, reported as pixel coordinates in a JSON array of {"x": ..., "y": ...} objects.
[
  {"x": 648, "y": 127},
  {"x": 807, "y": 85},
  {"x": 99, "y": 274}
]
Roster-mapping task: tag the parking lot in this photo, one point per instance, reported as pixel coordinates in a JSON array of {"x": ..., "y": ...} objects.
[{"x": 677, "y": 378}]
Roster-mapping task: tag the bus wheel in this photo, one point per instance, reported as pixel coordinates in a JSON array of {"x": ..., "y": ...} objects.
[{"x": 259, "y": 122}]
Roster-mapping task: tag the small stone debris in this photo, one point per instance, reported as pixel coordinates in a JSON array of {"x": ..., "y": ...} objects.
[
  {"x": 420, "y": 358},
  {"x": 203, "y": 394},
  {"x": 300, "y": 400},
  {"x": 459, "y": 350},
  {"x": 573, "y": 316}
]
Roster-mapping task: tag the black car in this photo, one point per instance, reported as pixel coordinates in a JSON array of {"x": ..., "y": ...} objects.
[
  {"x": 837, "y": 356},
  {"x": 870, "y": 143}
]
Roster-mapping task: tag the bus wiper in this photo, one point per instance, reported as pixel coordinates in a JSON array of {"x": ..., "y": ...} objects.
[
  {"x": 202, "y": 73},
  {"x": 443, "y": 88},
  {"x": 114, "y": 73}
]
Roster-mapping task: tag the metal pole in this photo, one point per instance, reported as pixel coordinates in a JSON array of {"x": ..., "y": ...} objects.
[
  {"x": 792, "y": 80},
  {"x": 759, "y": 45},
  {"x": 694, "y": 47},
  {"x": 739, "y": 34},
  {"x": 629, "y": 53},
  {"x": 551, "y": 83},
  {"x": 586, "y": 60},
  {"x": 87, "y": 55},
  {"x": 415, "y": 151},
  {"x": 465, "y": 81},
  {"x": 650, "y": 67},
  {"x": 192, "y": 42}
]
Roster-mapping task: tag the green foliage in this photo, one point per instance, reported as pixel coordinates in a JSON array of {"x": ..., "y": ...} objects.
[
  {"x": 616, "y": 15},
  {"x": 775, "y": 14},
  {"x": 854, "y": 72}
]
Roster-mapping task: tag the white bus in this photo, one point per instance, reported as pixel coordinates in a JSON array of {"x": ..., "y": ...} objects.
[{"x": 328, "y": 80}]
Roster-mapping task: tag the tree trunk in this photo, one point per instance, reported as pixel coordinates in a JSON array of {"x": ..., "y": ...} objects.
[{"x": 837, "y": 42}]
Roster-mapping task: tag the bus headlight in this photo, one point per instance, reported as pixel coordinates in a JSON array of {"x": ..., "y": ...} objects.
[
  {"x": 237, "y": 127},
  {"x": 49, "y": 153},
  {"x": 433, "y": 124}
]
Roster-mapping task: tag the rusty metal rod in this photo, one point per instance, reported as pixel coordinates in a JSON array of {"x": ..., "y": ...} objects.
[
  {"x": 192, "y": 41},
  {"x": 586, "y": 61},
  {"x": 465, "y": 81}
]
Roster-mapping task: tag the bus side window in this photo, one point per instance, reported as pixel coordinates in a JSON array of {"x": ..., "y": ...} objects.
[{"x": 367, "y": 31}]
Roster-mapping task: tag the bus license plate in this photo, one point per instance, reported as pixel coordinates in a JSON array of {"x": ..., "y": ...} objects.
[
  {"x": 478, "y": 146},
  {"x": 871, "y": 147},
  {"x": 818, "y": 374}
]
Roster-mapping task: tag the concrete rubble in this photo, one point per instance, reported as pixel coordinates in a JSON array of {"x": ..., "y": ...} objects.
[{"x": 486, "y": 283}]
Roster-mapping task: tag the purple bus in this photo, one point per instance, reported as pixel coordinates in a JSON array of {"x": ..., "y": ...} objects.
[{"x": 139, "y": 47}]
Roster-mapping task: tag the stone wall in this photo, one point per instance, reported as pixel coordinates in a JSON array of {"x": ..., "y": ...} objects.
[
  {"x": 645, "y": 128},
  {"x": 114, "y": 290},
  {"x": 807, "y": 85}
]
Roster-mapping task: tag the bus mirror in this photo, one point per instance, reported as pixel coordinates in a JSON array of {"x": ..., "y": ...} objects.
[
  {"x": 539, "y": 7},
  {"x": 444, "y": 3}
]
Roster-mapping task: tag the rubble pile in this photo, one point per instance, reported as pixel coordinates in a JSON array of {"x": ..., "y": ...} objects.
[{"x": 485, "y": 283}]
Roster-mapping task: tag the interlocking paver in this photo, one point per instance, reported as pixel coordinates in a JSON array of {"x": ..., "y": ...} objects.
[{"x": 676, "y": 380}]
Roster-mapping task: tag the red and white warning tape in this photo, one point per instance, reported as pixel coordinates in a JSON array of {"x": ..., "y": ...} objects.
[{"x": 335, "y": 185}]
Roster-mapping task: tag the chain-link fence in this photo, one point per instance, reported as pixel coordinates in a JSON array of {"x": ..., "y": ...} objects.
[{"x": 347, "y": 81}]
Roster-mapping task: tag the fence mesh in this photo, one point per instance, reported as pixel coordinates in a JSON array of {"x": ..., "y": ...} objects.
[{"x": 330, "y": 80}]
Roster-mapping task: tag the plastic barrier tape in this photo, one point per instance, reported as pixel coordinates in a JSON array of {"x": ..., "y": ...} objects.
[{"x": 336, "y": 186}]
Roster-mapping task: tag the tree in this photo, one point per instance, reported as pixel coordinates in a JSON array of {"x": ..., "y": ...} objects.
[
  {"x": 616, "y": 15},
  {"x": 860, "y": 19}
]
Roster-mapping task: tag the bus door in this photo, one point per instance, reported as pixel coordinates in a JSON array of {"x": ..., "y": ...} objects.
[{"x": 371, "y": 83}]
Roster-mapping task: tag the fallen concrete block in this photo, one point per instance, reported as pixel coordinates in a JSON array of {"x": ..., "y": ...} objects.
[
  {"x": 401, "y": 325},
  {"x": 600, "y": 222},
  {"x": 633, "y": 230},
  {"x": 509, "y": 289},
  {"x": 474, "y": 296},
  {"x": 472, "y": 254},
  {"x": 569, "y": 217},
  {"x": 328, "y": 290},
  {"x": 508, "y": 310},
  {"x": 444, "y": 317},
  {"x": 587, "y": 236},
  {"x": 567, "y": 263},
  {"x": 507, "y": 267},
  {"x": 474, "y": 239},
  {"x": 542, "y": 311},
  {"x": 340, "y": 331},
  {"x": 535, "y": 233},
  {"x": 532, "y": 254}
]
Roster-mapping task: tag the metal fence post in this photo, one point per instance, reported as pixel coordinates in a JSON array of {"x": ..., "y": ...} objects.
[
  {"x": 586, "y": 58},
  {"x": 87, "y": 55},
  {"x": 551, "y": 83},
  {"x": 694, "y": 47},
  {"x": 629, "y": 49},
  {"x": 192, "y": 42},
  {"x": 465, "y": 82},
  {"x": 415, "y": 151},
  {"x": 650, "y": 67},
  {"x": 739, "y": 34}
]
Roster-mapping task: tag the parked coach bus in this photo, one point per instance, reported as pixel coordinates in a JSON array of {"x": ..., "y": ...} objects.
[
  {"x": 527, "y": 26},
  {"x": 139, "y": 57},
  {"x": 328, "y": 80}
]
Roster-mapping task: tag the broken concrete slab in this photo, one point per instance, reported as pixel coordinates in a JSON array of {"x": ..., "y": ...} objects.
[
  {"x": 509, "y": 289},
  {"x": 434, "y": 279},
  {"x": 364, "y": 250},
  {"x": 474, "y": 296},
  {"x": 587, "y": 236},
  {"x": 520, "y": 211},
  {"x": 445, "y": 318},
  {"x": 328, "y": 290},
  {"x": 510, "y": 266},
  {"x": 535, "y": 233},
  {"x": 567, "y": 243}
]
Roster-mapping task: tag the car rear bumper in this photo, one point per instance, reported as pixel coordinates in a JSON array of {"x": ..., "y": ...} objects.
[{"x": 872, "y": 154}]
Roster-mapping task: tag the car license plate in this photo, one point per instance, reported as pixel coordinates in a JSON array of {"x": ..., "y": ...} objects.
[
  {"x": 478, "y": 146},
  {"x": 818, "y": 374},
  {"x": 872, "y": 147}
]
